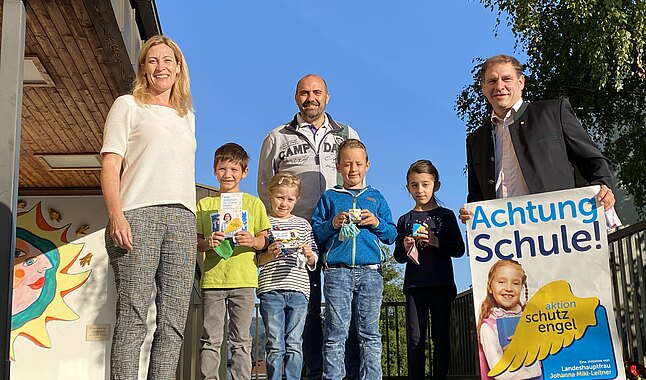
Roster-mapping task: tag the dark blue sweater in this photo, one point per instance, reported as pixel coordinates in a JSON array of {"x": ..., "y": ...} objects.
[{"x": 435, "y": 267}]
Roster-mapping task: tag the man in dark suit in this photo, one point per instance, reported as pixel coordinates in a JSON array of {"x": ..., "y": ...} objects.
[{"x": 529, "y": 148}]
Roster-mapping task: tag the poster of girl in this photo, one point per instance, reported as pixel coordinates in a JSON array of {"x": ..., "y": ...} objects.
[{"x": 499, "y": 314}]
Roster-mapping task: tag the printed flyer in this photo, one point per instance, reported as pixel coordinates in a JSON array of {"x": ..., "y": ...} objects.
[
  {"x": 289, "y": 240},
  {"x": 231, "y": 218},
  {"x": 542, "y": 287}
]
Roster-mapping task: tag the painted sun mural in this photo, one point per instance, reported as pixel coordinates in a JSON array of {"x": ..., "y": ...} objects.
[{"x": 41, "y": 280}]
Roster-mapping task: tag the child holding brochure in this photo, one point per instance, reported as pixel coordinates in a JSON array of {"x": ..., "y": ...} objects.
[
  {"x": 499, "y": 315},
  {"x": 283, "y": 282},
  {"x": 427, "y": 238},
  {"x": 351, "y": 221},
  {"x": 230, "y": 273}
]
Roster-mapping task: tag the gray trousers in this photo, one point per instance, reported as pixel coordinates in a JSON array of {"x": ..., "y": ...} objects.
[
  {"x": 163, "y": 256},
  {"x": 240, "y": 304}
]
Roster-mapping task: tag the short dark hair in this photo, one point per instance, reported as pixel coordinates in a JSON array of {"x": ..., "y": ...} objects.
[
  {"x": 501, "y": 58},
  {"x": 349, "y": 144},
  {"x": 231, "y": 152}
]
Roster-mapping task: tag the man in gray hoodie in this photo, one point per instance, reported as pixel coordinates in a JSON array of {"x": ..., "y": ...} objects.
[{"x": 306, "y": 147}]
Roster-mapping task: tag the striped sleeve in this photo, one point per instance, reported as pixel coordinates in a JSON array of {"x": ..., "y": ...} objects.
[{"x": 284, "y": 273}]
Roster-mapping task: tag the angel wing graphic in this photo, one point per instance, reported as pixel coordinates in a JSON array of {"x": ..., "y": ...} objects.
[
  {"x": 233, "y": 225},
  {"x": 536, "y": 336}
]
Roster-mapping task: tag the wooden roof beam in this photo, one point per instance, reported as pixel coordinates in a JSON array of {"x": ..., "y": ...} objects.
[{"x": 147, "y": 18}]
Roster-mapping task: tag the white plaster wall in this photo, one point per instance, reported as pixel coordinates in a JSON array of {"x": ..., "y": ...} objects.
[{"x": 71, "y": 356}]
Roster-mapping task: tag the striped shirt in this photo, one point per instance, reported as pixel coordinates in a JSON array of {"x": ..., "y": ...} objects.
[{"x": 284, "y": 273}]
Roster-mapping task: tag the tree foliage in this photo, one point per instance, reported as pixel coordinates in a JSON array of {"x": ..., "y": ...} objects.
[{"x": 591, "y": 51}]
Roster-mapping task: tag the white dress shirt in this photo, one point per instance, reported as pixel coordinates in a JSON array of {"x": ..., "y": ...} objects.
[{"x": 510, "y": 181}]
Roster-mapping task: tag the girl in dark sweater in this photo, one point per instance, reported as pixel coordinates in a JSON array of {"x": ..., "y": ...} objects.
[{"x": 427, "y": 238}]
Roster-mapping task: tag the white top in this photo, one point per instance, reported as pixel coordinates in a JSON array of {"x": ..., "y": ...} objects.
[
  {"x": 158, "y": 150},
  {"x": 510, "y": 181},
  {"x": 493, "y": 352}
]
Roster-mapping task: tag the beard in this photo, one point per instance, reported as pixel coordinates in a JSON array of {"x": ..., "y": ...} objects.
[{"x": 310, "y": 114}]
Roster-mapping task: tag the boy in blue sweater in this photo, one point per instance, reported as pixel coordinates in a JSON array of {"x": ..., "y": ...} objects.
[{"x": 352, "y": 261}]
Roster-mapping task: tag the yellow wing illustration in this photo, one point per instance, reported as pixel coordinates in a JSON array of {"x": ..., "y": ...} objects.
[
  {"x": 233, "y": 225},
  {"x": 553, "y": 318}
]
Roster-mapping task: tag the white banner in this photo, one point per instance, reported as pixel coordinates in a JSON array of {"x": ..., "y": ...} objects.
[{"x": 540, "y": 272}]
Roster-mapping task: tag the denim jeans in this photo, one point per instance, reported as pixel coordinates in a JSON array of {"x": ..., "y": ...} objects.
[
  {"x": 283, "y": 314},
  {"x": 352, "y": 292}
]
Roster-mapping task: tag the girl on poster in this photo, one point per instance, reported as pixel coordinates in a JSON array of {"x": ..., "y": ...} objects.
[{"x": 499, "y": 314}]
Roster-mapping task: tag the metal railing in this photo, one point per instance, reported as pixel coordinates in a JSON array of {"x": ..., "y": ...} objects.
[
  {"x": 393, "y": 332},
  {"x": 627, "y": 265},
  {"x": 464, "y": 350},
  {"x": 393, "y": 337},
  {"x": 627, "y": 262}
]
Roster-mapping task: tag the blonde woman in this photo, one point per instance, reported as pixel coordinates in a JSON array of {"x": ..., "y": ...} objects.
[{"x": 148, "y": 183}]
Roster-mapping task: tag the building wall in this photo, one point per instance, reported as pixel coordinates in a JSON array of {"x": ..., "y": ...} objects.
[
  {"x": 71, "y": 338},
  {"x": 125, "y": 15}
]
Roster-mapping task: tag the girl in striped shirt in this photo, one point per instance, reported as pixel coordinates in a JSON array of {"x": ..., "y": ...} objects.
[{"x": 283, "y": 282}]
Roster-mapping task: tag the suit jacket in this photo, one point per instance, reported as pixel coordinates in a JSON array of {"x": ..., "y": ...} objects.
[{"x": 549, "y": 142}]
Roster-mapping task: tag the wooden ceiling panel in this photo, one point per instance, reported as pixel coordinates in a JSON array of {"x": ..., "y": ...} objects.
[
  {"x": 69, "y": 117},
  {"x": 43, "y": 127},
  {"x": 100, "y": 75}
]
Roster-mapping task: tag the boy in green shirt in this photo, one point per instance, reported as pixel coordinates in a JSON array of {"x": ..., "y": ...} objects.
[{"x": 230, "y": 273}]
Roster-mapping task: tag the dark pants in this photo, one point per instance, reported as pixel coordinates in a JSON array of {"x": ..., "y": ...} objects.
[
  {"x": 419, "y": 302},
  {"x": 313, "y": 332},
  {"x": 313, "y": 336}
]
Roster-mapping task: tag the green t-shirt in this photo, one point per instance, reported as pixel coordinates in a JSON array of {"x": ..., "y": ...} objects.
[{"x": 238, "y": 271}]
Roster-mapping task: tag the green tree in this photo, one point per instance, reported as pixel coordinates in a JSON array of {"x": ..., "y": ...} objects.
[
  {"x": 393, "y": 279},
  {"x": 591, "y": 51}
]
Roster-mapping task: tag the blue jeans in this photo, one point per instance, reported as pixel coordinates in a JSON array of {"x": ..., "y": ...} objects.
[
  {"x": 283, "y": 314},
  {"x": 352, "y": 292}
]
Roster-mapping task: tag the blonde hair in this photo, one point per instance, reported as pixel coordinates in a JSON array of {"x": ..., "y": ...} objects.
[
  {"x": 180, "y": 94},
  {"x": 350, "y": 144},
  {"x": 489, "y": 302},
  {"x": 284, "y": 179}
]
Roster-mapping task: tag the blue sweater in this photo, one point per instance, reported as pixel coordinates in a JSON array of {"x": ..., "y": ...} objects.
[{"x": 364, "y": 248}]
